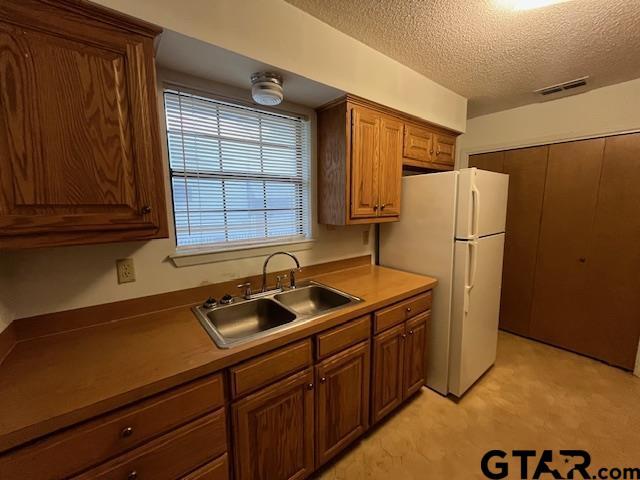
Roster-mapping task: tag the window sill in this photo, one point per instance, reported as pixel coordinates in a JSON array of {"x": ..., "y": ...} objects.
[{"x": 187, "y": 258}]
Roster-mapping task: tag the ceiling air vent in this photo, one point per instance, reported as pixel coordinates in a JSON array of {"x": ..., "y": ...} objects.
[{"x": 571, "y": 84}]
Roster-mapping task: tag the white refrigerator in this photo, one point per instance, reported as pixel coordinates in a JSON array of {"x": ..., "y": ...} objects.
[{"x": 452, "y": 228}]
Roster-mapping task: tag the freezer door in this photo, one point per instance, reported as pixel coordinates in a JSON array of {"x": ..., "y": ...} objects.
[
  {"x": 482, "y": 203},
  {"x": 422, "y": 242},
  {"x": 477, "y": 280}
]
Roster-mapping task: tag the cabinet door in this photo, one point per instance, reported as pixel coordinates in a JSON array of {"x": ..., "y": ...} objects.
[
  {"x": 342, "y": 406},
  {"x": 365, "y": 149},
  {"x": 79, "y": 138},
  {"x": 444, "y": 150},
  {"x": 390, "y": 167},
  {"x": 418, "y": 143},
  {"x": 415, "y": 353},
  {"x": 570, "y": 197},
  {"x": 388, "y": 367},
  {"x": 493, "y": 161},
  {"x": 273, "y": 431},
  {"x": 527, "y": 169},
  {"x": 612, "y": 303}
]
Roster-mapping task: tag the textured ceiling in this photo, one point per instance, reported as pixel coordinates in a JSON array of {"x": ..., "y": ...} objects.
[{"x": 492, "y": 55}]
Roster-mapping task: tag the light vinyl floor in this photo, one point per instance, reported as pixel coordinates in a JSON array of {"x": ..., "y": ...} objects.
[{"x": 535, "y": 397}]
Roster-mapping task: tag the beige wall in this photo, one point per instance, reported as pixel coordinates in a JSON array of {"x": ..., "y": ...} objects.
[
  {"x": 55, "y": 279},
  {"x": 603, "y": 111},
  {"x": 277, "y": 33}
]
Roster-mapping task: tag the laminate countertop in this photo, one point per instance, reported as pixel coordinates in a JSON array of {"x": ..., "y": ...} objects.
[{"x": 54, "y": 381}]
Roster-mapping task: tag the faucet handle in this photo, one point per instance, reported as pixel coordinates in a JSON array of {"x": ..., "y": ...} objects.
[
  {"x": 292, "y": 277},
  {"x": 279, "y": 279},
  {"x": 247, "y": 290}
]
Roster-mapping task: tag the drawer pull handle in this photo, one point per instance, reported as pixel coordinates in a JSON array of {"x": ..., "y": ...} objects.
[
  {"x": 126, "y": 432},
  {"x": 133, "y": 475}
]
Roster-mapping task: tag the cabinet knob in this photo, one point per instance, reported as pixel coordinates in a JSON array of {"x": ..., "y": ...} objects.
[
  {"x": 310, "y": 386},
  {"x": 145, "y": 210},
  {"x": 438, "y": 151},
  {"x": 126, "y": 432},
  {"x": 384, "y": 205},
  {"x": 375, "y": 207},
  {"x": 408, "y": 309},
  {"x": 410, "y": 332},
  {"x": 404, "y": 335},
  {"x": 582, "y": 259},
  {"x": 323, "y": 379},
  {"x": 133, "y": 475}
]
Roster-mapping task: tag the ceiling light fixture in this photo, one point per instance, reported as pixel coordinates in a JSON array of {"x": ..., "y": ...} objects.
[
  {"x": 527, "y": 4},
  {"x": 266, "y": 88}
]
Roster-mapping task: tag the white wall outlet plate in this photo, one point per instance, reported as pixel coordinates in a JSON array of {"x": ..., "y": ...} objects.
[{"x": 126, "y": 270}]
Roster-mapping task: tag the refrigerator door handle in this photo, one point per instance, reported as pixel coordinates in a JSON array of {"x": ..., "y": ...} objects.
[
  {"x": 475, "y": 208},
  {"x": 471, "y": 272}
]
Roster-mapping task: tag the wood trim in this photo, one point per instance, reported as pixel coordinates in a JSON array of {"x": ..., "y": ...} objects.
[
  {"x": 103, "y": 15},
  {"x": 425, "y": 166},
  {"x": 52, "y": 323},
  {"x": 406, "y": 117}
]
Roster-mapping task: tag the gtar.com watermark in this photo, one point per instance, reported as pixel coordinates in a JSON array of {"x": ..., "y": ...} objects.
[{"x": 541, "y": 465}]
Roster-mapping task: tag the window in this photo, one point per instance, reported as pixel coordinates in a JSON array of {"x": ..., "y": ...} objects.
[{"x": 239, "y": 175}]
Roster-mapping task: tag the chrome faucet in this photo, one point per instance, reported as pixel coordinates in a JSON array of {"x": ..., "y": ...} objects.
[{"x": 292, "y": 273}]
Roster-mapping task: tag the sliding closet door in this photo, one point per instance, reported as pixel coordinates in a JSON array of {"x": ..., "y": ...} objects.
[
  {"x": 526, "y": 168},
  {"x": 613, "y": 295},
  {"x": 571, "y": 193},
  {"x": 493, "y": 162}
]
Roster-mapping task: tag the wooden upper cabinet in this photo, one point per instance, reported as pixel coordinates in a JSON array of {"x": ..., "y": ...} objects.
[
  {"x": 445, "y": 146},
  {"x": 390, "y": 168},
  {"x": 418, "y": 143},
  {"x": 362, "y": 147},
  {"x": 79, "y": 136},
  {"x": 365, "y": 154}
]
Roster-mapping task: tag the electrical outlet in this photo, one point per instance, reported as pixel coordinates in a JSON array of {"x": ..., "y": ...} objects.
[
  {"x": 126, "y": 270},
  {"x": 365, "y": 237}
]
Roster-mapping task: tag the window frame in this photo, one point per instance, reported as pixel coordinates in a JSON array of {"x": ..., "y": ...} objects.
[{"x": 212, "y": 252}]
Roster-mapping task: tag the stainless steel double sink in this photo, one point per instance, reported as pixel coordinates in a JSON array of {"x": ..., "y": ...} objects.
[{"x": 245, "y": 320}]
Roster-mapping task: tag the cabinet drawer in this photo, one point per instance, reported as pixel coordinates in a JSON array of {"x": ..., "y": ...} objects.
[
  {"x": 216, "y": 470},
  {"x": 90, "y": 443},
  {"x": 344, "y": 336},
  {"x": 170, "y": 456},
  {"x": 253, "y": 374},
  {"x": 398, "y": 313}
]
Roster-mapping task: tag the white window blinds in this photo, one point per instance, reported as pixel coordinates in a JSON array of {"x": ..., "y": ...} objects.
[{"x": 239, "y": 175}]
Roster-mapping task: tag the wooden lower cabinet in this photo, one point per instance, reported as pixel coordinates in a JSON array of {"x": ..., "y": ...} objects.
[
  {"x": 398, "y": 364},
  {"x": 342, "y": 400},
  {"x": 388, "y": 367},
  {"x": 415, "y": 353},
  {"x": 274, "y": 430}
]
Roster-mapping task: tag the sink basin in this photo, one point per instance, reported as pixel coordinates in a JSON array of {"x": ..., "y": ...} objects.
[
  {"x": 269, "y": 312},
  {"x": 248, "y": 319},
  {"x": 312, "y": 300}
]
